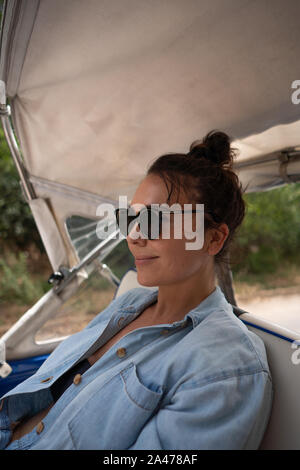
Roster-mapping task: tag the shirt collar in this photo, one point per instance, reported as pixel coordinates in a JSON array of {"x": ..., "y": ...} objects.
[{"x": 215, "y": 301}]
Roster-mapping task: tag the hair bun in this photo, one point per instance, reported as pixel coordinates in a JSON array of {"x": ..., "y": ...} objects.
[{"x": 214, "y": 147}]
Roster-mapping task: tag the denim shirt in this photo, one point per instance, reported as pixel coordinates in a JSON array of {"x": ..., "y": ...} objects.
[{"x": 199, "y": 383}]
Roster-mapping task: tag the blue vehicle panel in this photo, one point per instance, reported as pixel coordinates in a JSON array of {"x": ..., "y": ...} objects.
[{"x": 21, "y": 370}]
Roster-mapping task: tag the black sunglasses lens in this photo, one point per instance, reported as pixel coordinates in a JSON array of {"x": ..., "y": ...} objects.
[
  {"x": 122, "y": 220},
  {"x": 149, "y": 222},
  {"x": 154, "y": 229}
]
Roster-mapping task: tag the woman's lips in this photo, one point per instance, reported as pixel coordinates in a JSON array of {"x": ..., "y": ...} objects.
[{"x": 144, "y": 260}]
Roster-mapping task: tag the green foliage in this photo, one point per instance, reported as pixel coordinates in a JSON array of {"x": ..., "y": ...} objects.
[
  {"x": 270, "y": 233},
  {"x": 16, "y": 283},
  {"x": 17, "y": 226}
]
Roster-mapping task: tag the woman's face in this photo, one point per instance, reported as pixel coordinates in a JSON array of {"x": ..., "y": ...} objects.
[{"x": 172, "y": 262}]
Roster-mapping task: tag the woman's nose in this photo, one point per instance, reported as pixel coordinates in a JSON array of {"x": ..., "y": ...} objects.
[{"x": 135, "y": 235}]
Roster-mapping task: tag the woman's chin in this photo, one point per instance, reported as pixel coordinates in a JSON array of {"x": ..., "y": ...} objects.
[{"x": 146, "y": 280}]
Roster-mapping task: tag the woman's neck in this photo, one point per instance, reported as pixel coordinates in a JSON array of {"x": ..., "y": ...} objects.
[{"x": 174, "y": 301}]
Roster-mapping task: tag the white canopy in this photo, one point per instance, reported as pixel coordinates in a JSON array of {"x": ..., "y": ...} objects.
[{"x": 98, "y": 90}]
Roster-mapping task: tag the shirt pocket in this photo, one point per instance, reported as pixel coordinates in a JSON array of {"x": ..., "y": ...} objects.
[{"x": 115, "y": 414}]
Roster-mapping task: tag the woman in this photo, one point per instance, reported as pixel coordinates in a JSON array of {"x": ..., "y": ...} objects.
[{"x": 170, "y": 368}]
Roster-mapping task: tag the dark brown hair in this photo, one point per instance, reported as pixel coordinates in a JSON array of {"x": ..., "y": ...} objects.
[{"x": 205, "y": 174}]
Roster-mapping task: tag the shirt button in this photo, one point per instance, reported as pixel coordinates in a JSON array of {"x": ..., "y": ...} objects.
[
  {"x": 77, "y": 379},
  {"x": 47, "y": 379},
  {"x": 120, "y": 321},
  {"x": 40, "y": 427},
  {"x": 121, "y": 352}
]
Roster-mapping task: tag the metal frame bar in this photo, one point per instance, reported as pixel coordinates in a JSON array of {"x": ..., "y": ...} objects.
[
  {"x": 27, "y": 187},
  {"x": 5, "y": 113},
  {"x": 65, "y": 275}
]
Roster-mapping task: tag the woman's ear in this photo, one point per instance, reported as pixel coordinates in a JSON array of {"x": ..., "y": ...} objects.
[{"x": 217, "y": 238}]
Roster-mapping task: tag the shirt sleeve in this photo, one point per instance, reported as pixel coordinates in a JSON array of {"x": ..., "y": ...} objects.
[{"x": 231, "y": 413}]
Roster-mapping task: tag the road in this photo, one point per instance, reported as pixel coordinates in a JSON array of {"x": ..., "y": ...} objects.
[{"x": 282, "y": 308}]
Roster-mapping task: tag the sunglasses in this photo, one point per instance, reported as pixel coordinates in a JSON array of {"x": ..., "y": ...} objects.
[{"x": 150, "y": 220}]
